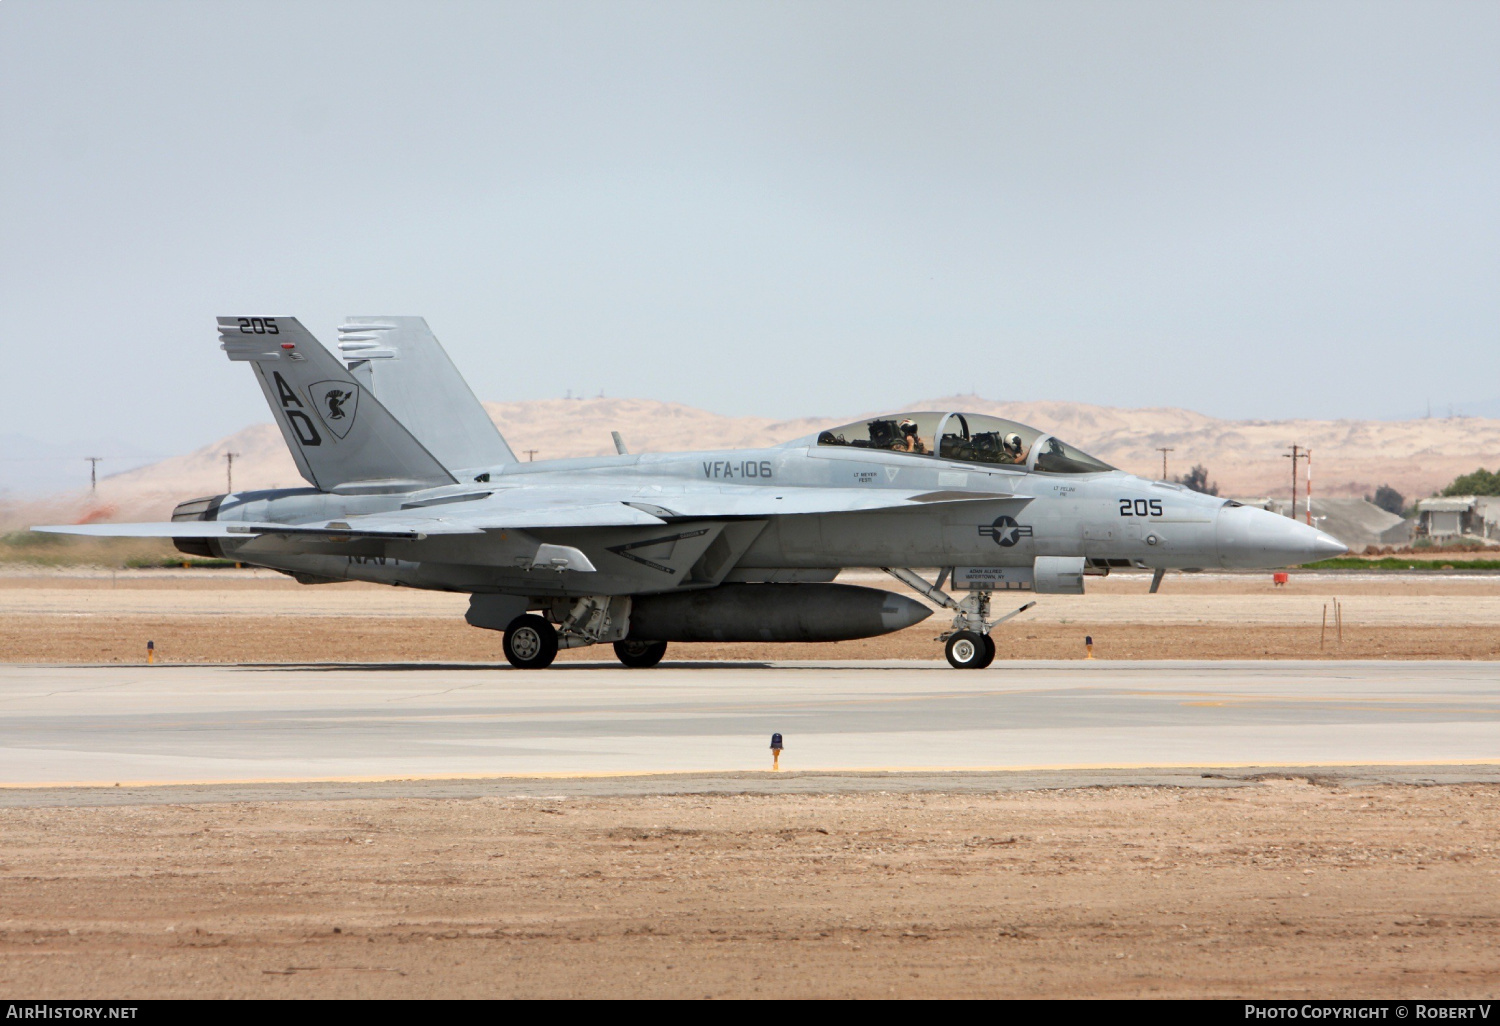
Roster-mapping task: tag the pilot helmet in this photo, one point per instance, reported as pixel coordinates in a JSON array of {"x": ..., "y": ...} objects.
[
  {"x": 1013, "y": 443},
  {"x": 908, "y": 426}
]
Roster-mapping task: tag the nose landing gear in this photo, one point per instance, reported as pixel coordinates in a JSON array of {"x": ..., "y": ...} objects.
[
  {"x": 969, "y": 645},
  {"x": 967, "y": 650}
]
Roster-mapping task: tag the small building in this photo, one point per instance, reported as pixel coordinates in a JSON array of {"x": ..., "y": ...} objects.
[{"x": 1459, "y": 516}]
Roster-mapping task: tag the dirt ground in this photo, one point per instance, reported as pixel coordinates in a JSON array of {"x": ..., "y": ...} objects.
[
  {"x": 1283, "y": 889},
  {"x": 285, "y": 639},
  {"x": 250, "y": 616}
]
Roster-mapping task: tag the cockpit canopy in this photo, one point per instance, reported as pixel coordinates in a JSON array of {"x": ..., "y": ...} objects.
[{"x": 968, "y": 438}]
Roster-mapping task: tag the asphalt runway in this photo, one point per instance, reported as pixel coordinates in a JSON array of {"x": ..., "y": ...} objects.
[{"x": 64, "y": 726}]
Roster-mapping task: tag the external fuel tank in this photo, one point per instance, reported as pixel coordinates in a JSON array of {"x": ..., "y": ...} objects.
[{"x": 773, "y": 612}]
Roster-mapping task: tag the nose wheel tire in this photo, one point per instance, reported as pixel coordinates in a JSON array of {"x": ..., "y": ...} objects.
[
  {"x": 989, "y": 652},
  {"x": 967, "y": 650},
  {"x": 640, "y": 655},
  {"x": 530, "y": 642}
]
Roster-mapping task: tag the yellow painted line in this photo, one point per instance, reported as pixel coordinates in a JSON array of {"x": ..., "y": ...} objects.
[{"x": 769, "y": 774}]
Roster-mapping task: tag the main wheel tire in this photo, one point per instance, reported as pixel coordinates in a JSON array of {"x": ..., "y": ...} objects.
[
  {"x": 530, "y": 642},
  {"x": 989, "y": 653},
  {"x": 640, "y": 655},
  {"x": 965, "y": 651}
]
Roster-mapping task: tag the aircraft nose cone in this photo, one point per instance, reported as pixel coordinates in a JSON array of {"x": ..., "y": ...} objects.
[
  {"x": 1326, "y": 546},
  {"x": 1250, "y": 538}
]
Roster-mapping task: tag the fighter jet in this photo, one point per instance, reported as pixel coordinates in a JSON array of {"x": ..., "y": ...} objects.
[{"x": 410, "y": 484}]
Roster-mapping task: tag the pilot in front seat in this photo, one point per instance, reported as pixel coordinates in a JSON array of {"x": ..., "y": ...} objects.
[{"x": 909, "y": 441}]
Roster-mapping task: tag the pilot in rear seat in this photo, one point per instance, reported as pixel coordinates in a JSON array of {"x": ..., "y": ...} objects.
[{"x": 1012, "y": 450}]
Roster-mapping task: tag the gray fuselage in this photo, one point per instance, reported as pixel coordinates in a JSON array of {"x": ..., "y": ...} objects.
[{"x": 974, "y": 516}]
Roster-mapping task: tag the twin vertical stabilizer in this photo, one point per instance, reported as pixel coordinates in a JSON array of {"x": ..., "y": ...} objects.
[
  {"x": 399, "y": 360},
  {"x": 340, "y": 435}
]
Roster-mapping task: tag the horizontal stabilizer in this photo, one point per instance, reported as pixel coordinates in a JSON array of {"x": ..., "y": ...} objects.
[
  {"x": 232, "y": 529},
  {"x": 407, "y": 525}
]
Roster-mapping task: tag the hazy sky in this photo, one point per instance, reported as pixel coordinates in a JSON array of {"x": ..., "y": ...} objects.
[{"x": 1251, "y": 209}]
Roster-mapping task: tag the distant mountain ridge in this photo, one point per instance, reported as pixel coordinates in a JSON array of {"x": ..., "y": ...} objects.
[{"x": 1244, "y": 457}]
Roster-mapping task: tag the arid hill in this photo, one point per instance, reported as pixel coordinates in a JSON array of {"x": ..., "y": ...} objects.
[{"x": 1244, "y": 457}]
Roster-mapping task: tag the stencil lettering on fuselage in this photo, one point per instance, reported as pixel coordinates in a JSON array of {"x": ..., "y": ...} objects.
[{"x": 734, "y": 470}]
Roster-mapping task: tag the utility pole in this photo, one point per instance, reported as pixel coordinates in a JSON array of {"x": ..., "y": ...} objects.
[
  {"x": 93, "y": 472},
  {"x": 1164, "y": 450},
  {"x": 229, "y": 470},
  {"x": 531, "y": 455},
  {"x": 1309, "y": 489},
  {"x": 1297, "y": 453}
]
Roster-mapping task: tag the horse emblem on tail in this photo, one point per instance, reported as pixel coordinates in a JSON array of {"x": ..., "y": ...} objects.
[{"x": 337, "y": 402}]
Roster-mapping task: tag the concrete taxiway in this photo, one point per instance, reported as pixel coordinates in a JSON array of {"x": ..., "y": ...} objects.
[{"x": 191, "y": 725}]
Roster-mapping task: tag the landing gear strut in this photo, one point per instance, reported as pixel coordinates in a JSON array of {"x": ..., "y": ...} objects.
[{"x": 530, "y": 642}]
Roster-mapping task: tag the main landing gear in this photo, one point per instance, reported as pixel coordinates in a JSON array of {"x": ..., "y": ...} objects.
[
  {"x": 968, "y": 645},
  {"x": 640, "y": 655},
  {"x": 530, "y": 642}
]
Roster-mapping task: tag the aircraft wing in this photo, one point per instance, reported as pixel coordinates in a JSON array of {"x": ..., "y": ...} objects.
[
  {"x": 524, "y": 508},
  {"x": 482, "y": 515},
  {"x": 608, "y": 505},
  {"x": 760, "y": 502}
]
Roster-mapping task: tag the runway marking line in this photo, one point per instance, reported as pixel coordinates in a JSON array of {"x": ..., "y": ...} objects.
[{"x": 768, "y": 774}]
